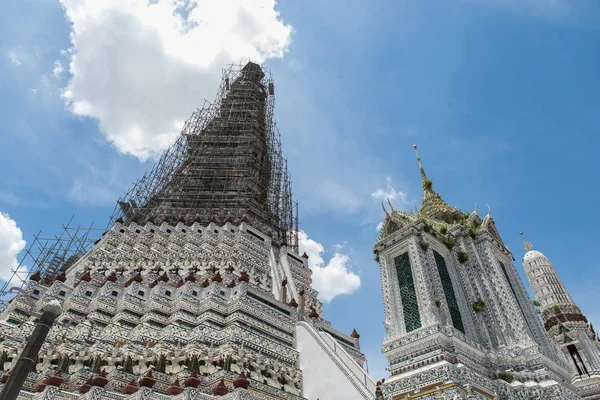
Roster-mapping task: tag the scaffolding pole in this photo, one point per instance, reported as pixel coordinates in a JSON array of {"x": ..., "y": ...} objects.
[{"x": 49, "y": 256}]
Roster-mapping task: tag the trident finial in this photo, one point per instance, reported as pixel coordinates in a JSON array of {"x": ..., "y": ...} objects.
[
  {"x": 528, "y": 246},
  {"x": 423, "y": 176}
]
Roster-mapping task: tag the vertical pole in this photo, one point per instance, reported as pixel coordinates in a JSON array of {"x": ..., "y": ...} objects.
[{"x": 26, "y": 362}]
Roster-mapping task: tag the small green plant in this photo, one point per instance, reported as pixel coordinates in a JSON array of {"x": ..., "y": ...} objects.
[
  {"x": 473, "y": 233},
  {"x": 424, "y": 245},
  {"x": 438, "y": 303},
  {"x": 449, "y": 242},
  {"x": 427, "y": 184},
  {"x": 479, "y": 306},
  {"x": 463, "y": 256},
  {"x": 376, "y": 259},
  {"x": 537, "y": 305},
  {"x": 556, "y": 309},
  {"x": 443, "y": 229},
  {"x": 506, "y": 376},
  {"x": 427, "y": 227}
]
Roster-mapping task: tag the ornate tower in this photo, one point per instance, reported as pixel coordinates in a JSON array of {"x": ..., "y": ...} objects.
[
  {"x": 197, "y": 288},
  {"x": 565, "y": 324},
  {"x": 458, "y": 319},
  {"x": 225, "y": 165}
]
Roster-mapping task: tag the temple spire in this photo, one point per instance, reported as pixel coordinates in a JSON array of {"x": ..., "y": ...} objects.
[
  {"x": 225, "y": 166},
  {"x": 426, "y": 182},
  {"x": 527, "y": 245},
  {"x": 432, "y": 205}
]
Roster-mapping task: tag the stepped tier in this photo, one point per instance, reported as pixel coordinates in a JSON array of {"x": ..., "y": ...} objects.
[{"x": 179, "y": 299}]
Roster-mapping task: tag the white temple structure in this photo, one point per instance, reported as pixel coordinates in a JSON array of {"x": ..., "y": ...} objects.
[
  {"x": 196, "y": 291},
  {"x": 564, "y": 322},
  {"x": 459, "y": 322}
]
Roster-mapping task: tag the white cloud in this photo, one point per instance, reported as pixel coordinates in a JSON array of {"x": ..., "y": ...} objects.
[
  {"x": 379, "y": 226},
  {"x": 11, "y": 244},
  {"x": 58, "y": 69},
  {"x": 13, "y": 58},
  {"x": 140, "y": 68},
  {"x": 389, "y": 192},
  {"x": 329, "y": 280},
  {"x": 340, "y": 247}
]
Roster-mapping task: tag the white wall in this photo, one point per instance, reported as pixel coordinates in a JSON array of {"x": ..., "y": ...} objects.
[{"x": 322, "y": 377}]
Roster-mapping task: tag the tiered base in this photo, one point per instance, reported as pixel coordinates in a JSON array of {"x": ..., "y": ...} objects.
[{"x": 444, "y": 380}]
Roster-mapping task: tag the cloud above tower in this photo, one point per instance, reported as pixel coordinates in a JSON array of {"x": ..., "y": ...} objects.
[
  {"x": 389, "y": 193},
  {"x": 11, "y": 244},
  {"x": 332, "y": 279},
  {"x": 141, "y": 67}
]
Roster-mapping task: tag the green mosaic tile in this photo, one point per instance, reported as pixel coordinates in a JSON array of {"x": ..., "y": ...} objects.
[
  {"x": 410, "y": 306},
  {"x": 449, "y": 292}
]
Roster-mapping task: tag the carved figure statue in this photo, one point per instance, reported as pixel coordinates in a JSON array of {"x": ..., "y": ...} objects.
[
  {"x": 271, "y": 374},
  {"x": 255, "y": 367},
  {"x": 289, "y": 377},
  {"x": 208, "y": 357},
  {"x": 236, "y": 362},
  {"x": 217, "y": 362},
  {"x": 297, "y": 381},
  {"x": 175, "y": 367}
]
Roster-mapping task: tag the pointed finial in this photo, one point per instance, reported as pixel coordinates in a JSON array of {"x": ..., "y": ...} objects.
[
  {"x": 489, "y": 210},
  {"x": 475, "y": 208},
  {"x": 426, "y": 182},
  {"x": 384, "y": 210},
  {"x": 528, "y": 246},
  {"x": 390, "y": 203}
]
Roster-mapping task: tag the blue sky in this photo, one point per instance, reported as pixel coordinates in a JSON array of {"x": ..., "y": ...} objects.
[{"x": 501, "y": 97}]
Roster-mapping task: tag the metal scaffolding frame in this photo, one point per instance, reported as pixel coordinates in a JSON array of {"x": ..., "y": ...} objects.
[
  {"x": 49, "y": 256},
  {"x": 225, "y": 166}
]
